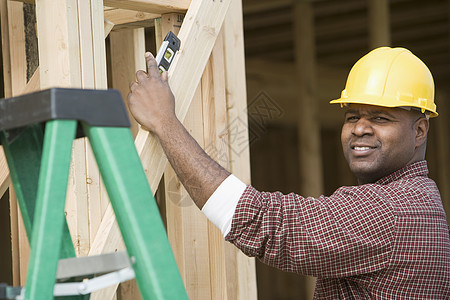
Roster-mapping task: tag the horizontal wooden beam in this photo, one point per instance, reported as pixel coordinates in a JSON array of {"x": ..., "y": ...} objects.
[
  {"x": 124, "y": 18},
  {"x": 25, "y": 1},
  {"x": 151, "y": 6}
]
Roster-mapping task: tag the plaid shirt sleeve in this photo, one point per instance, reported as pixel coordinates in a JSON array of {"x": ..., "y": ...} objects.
[{"x": 348, "y": 233}]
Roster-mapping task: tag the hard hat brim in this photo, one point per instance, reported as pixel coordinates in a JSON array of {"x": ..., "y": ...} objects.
[{"x": 382, "y": 101}]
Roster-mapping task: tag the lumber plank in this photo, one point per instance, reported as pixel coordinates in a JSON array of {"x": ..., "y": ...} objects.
[
  {"x": 171, "y": 22},
  {"x": 158, "y": 33},
  {"x": 187, "y": 227},
  {"x": 6, "y": 56},
  {"x": 98, "y": 200},
  {"x": 99, "y": 50},
  {"x": 24, "y": 1},
  {"x": 16, "y": 47},
  {"x": 76, "y": 200},
  {"x": 34, "y": 84},
  {"x": 311, "y": 177},
  {"x": 127, "y": 47},
  {"x": 108, "y": 27},
  {"x": 123, "y": 18},
  {"x": 14, "y": 215},
  {"x": 198, "y": 34},
  {"x": 84, "y": 176},
  {"x": 72, "y": 54},
  {"x": 59, "y": 51},
  {"x": 239, "y": 156},
  {"x": 5, "y": 180},
  {"x": 24, "y": 245},
  {"x": 114, "y": 243},
  {"x": 214, "y": 126},
  {"x": 4, "y": 172},
  {"x": 151, "y": 6}
]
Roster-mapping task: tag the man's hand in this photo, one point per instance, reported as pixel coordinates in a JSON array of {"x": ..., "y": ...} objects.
[{"x": 150, "y": 99}]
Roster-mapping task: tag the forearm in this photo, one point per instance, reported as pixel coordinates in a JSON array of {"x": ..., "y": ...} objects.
[
  {"x": 153, "y": 105},
  {"x": 199, "y": 174}
]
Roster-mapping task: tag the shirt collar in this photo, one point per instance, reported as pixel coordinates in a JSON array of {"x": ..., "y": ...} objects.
[{"x": 419, "y": 168}]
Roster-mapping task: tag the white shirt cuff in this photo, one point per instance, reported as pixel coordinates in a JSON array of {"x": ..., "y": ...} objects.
[{"x": 220, "y": 207}]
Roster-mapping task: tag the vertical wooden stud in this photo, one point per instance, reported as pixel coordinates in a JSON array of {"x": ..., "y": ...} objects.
[
  {"x": 311, "y": 178},
  {"x": 127, "y": 55},
  {"x": 187, "y": 228},
  {"x": 214, "y": 143},
  {"x": 16, "y": 80},
  {"x": 239, "y": 152},
  {"x": 6, "y": 55},
  {"x": 17, "y": 47},
  {"x": 6, "y": 62}
]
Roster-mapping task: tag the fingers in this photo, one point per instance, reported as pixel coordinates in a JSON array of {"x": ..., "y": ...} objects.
[
  {"x": 133, "y": 85},
  {"x": 152, "y": 72},
  {"x": 152, "y": 66},
  {"x": 141, "y": 76}
]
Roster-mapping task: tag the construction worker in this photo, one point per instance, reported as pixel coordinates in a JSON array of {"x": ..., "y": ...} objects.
[{"x": 386, "y": 238}]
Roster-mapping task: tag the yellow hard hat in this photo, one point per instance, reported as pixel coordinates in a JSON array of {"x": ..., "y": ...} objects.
[{"x": 390, "y": 77}]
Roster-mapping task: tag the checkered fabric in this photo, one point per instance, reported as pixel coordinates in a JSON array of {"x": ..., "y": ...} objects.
[{"x": 387, "y": 240}]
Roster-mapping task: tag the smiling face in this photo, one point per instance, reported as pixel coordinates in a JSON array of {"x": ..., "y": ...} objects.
[{"x": 378, "y": 140}]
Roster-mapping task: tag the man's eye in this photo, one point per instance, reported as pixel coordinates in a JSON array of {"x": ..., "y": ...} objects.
[
  {"x": 381, "y": 119},
  {"x": 351, "y": 119}
]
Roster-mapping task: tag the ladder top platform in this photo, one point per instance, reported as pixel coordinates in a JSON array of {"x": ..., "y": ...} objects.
[{"x": 95, "y": 107}]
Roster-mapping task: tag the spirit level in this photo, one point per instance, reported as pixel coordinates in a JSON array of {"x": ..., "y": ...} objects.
[{"x": 167, "y": 51}]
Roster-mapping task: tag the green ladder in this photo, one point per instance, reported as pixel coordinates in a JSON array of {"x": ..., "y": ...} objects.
[{"x": 37, "y": 131}]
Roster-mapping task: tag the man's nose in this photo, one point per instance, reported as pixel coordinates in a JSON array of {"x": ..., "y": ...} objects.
[{"x": 362, "y": 127}]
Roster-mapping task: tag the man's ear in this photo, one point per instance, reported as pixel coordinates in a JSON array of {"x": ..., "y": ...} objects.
[{"x": 421, "y": 129}]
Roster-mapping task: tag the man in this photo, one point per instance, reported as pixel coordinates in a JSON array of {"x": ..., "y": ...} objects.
[{"x": 386, "y": 238}]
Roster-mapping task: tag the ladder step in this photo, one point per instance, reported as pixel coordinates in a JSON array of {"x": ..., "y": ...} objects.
[
  {"x": 89, "y": 286},
  {"x": 107, "y": 269},
  {"x": 9, "y": 292},
  {"x": 92, "y": 265}
]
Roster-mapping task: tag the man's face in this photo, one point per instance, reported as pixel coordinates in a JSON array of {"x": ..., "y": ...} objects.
[{"x": 377, "y": 140}]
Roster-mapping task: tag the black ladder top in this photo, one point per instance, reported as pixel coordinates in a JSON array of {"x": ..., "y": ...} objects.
[{"x": 95, "y": 107}]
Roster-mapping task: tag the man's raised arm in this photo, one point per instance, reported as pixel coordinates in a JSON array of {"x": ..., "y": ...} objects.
[{"x": 152, "y": 103}]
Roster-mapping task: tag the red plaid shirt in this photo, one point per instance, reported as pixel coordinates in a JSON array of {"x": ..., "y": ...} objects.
[{"x": 387, "y": 240}]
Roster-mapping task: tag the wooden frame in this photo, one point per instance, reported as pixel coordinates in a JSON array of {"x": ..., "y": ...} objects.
[{"x": 72, "y": 54}]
